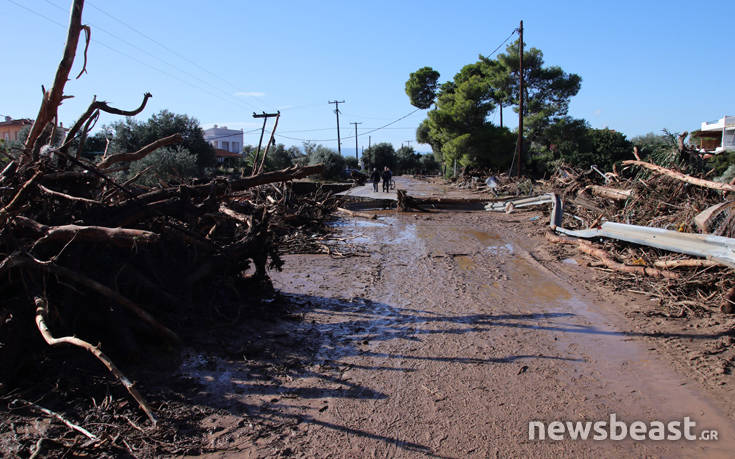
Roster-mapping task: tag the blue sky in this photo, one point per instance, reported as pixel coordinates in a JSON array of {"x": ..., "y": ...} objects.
[{"x": 645, "y": 65}]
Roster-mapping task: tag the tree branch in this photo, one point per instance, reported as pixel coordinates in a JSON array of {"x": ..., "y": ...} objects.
[
  {"x": 140, "y": 154},
  {"x": 683, "y": 177},
  {"x": 52, "y": 99},
  {"x": 101, "y": 106},
  {"x": 41, "y": 318}
]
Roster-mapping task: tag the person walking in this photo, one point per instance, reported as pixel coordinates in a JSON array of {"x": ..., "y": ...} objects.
[
  {"x": 375, "y": 177},
  {"x": 387, "y": 176}
]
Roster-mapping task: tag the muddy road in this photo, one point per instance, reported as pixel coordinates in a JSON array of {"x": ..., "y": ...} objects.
[{"x": 446, "y": 338}]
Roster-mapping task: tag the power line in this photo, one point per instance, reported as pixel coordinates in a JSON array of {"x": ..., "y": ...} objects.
[
  {"x": 172, "y": 51},
  {"x": 157, "y": 58},
  {"x": 504, "y": 42},
  {"x": 352, "y": 136},
  {"x": 103, "y": 44}
]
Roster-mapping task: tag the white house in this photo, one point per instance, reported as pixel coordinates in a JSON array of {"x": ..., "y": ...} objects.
[
  {"x": 717, "y": 135},
  {"x": 226, "y": 142}
]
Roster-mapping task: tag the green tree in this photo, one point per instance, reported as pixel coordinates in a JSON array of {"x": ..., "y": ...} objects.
[
  {"x": 351, "y": 162},
  {"x": 458, "y": 128},
  {"x": 429, "y": 165},
  {"x": 654, "y": 144},
  {"x": 380, "y": 155},
  {"x": 547, "y": 90},
  {"x": 334, "y": 163},
  {"x": 168, "y": 164},
  {"x": 407, "y": 160},
  {"x": 131, "y": 135},
  {"x": 421, "y": 87}
]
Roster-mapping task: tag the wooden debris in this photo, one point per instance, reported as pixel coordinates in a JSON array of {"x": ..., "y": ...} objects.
[{"x": 683, "y": 177}]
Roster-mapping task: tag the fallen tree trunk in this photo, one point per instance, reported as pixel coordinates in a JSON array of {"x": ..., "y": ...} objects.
[
  {"x": 608, "y": 192},
  {"x": 118, "y": 236},
  {"x": 683, "y": 177},
  {"x": 688, "y": 263},
  {"x": 221, "y": 187},
  {"x": 607, "y": 260}
]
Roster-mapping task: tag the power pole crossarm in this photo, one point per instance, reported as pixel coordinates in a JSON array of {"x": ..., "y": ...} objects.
[{"x": 265, "y": 117}]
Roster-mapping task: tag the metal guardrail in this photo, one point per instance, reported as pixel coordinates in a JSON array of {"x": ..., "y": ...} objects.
[{"x": 717, "y": 248}]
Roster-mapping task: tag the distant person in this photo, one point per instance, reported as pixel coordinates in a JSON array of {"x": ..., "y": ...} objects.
[
  {"x": 375, "y": 177},
  {"x": 387, "y": 176}
]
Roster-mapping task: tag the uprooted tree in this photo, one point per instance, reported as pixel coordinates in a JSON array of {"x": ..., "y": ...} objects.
[{"x": 88, "y": 259}]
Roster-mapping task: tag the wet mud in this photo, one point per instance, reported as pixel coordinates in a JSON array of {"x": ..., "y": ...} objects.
[{"x": 453, "y": 334}]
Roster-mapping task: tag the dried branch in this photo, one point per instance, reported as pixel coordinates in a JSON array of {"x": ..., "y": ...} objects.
[
  {"x": 688, "y": 263},
  {"x": 18, "y": 198},
  {"x": 683, "y": 177},
  {"x": 101, "y": 106},
  {"x": 118, "y": 236},
  {"x": 53, "y": 98},
  {"x": 41, "y": 319},
  {"x": 607, "y": 260},
  {"x": 67, "y": 196},
  {"x": 140, "y": 154},
  {"x": 87, "y": 33}
]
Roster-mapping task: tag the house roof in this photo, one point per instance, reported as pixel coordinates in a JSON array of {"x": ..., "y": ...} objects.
[
  {"x": 226, "y": 154},
  {"x": 18, "y": 122}
]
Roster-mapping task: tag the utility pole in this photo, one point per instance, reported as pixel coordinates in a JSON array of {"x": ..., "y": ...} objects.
[
  {"x": 336, "y": 110},
  {"x": 358, "y": 159},
  {"x": 271, "y": 141},
  {"x": 519, "y": 143},
  {"x": 370, "y": 152},
  {"x": 409, "y": 143},
  {"x": 265, "y": 117}
]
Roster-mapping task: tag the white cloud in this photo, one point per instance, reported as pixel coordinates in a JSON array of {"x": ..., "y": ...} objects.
[{"x": 250, "y": 94}]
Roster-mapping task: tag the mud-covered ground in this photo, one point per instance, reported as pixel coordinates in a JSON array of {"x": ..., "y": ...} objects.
[{"x": 450, "y": 333}]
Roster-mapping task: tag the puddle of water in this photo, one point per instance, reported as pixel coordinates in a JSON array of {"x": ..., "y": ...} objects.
[
  {"x": 356, "y": 223},
  {"x": 538, "y": 287},
  {"x": 484, "y": 237},
  {"x": 506, "y": 249},
  {"x": 569, "y": 261},
  {"x": 465, "y": 262}
]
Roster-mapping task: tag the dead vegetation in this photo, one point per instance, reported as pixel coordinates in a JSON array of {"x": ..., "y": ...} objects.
[{"x": 119, "y": 269}]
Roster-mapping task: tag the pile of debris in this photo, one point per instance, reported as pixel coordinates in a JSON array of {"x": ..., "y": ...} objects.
[
  {"x": 92, "y": 262},
  {"x": 650, "y": 220}
]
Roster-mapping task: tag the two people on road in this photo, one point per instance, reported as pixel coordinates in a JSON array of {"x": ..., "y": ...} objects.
[{"x": 387, "y": 176}]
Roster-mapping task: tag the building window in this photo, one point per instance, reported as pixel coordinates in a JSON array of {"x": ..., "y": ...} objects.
[
  {"x": 225, "y": 145},
  {"x": 214, "y": 143},
  {"x": 236, "y": 147}
]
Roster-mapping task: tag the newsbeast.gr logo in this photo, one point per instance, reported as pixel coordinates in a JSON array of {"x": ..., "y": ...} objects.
[{"x": 613, "y": 429}]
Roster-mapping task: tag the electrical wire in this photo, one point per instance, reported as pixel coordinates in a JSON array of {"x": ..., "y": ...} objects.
[
  {"x": 504, "y": 42},
  {"x": 370, "y": 131},
  {"x": 122, "y": 53},
  {"x": 161, "y": 60}
]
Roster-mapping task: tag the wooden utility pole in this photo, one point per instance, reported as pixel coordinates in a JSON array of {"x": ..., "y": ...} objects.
[
  {"x": 336, "y": 110},
  {"x": 370, "y": 152},
  {"x": 519, "y": 143},
  {"x": 409, "y": 143},
  {"x": 358, "y": 159},
  {"x": 271, "y": 141},
  {"x": 265, "y": 117}
]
